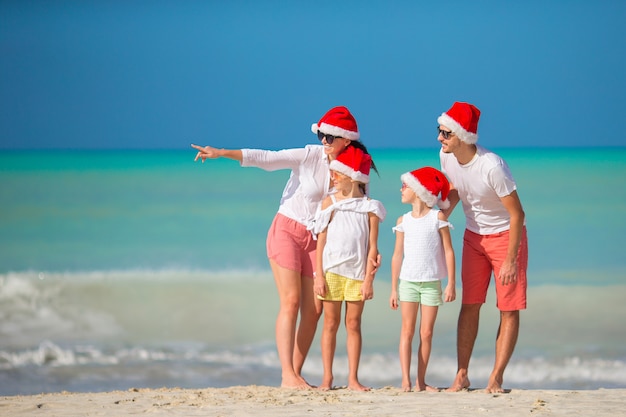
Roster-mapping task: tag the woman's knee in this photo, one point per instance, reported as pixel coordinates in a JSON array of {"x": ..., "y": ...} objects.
[
  {"x": 310, "y": 315},
  {"x": 290, "y": 304}
]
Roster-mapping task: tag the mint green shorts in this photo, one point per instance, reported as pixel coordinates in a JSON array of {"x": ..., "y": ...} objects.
[{"x": 427, "y": 293}]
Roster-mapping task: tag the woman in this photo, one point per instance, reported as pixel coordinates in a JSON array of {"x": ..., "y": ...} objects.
[{"x": 290, "y": 245}]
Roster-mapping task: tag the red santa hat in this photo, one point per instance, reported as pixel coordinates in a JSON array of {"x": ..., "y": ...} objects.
[
  {"x": 462, "y": 119},
  {"x": 428, "y": 183},
  {"x": 354, "y": 163},
  {"x": 339, "y": 122}
]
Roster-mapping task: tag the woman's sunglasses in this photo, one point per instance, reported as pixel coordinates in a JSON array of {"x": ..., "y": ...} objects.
[{"x": 329, "y": 138}]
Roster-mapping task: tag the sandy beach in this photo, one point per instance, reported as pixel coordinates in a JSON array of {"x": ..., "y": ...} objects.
[{"x": 263, "y": 401}]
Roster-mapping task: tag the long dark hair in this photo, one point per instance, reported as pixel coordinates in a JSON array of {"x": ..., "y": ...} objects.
[{"x": 359, "y": 145}]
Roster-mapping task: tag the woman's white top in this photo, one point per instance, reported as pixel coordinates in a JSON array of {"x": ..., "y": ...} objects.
[{"x": 308, "y": 183}]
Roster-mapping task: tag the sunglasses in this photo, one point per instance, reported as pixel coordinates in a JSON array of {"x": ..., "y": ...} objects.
[
  {"x": 329, "y": 138},
  {"x": 445, "y": 133}
]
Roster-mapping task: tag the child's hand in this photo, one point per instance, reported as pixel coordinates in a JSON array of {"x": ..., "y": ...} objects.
[
  {"x": 367, "y": 290},
  {"x": 375, "y": 264},
  {"x": 319, "y": 285},
  {"x": 393, "y": 300},
  {"x": 449, "y": 294}
]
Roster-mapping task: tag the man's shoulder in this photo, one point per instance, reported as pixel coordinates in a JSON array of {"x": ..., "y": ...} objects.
[
  {"x": 489, "y": 158},
  {"x": 487, "y": 153}
]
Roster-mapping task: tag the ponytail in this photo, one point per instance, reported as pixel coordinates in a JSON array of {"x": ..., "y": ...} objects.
[{"x": 359, "y": 145}]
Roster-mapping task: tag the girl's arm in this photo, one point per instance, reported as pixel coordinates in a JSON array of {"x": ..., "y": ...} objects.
[
  {"x": 446, "y": 240},
  {"x": 319, "y": 282},
  {"x": 367, "y": 289},
  {"x": 396, "y": 266}
]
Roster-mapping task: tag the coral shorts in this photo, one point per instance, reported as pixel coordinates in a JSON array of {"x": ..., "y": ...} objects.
[
  {"x": 484, "y": 254},
  {"x": 291, "y": 245}
]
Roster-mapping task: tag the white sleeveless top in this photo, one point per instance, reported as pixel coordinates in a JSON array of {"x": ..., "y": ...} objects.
[{"x": 424, "y": 259}]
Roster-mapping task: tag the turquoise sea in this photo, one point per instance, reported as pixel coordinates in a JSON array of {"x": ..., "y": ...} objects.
[{"x": 122, "y": 269}]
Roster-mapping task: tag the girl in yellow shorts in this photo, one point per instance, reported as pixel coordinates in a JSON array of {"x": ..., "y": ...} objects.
[{"x": 347, "y": 249}]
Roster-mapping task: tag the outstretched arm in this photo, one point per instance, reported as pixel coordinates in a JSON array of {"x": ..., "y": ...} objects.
[{"x": 209, "y": 152}]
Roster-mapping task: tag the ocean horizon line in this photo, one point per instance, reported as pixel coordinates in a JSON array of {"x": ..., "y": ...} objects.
[{"x": 296, "y": 145}]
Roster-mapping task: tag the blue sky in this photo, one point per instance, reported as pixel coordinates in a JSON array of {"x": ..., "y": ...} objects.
[{"x": 163, "y": 74}]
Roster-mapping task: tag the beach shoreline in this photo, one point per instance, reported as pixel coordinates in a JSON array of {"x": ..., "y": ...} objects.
[{"x": 254, "y": 400}]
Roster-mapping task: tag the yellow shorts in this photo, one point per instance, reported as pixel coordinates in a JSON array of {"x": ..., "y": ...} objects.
[{"x": 342, "y": 289}]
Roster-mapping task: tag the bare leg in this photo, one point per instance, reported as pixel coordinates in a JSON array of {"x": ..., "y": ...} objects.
[
  {"x": 505, "y": 344},
  {"x": 467, "y": 330},
  {"x": 332, "y": 319},
  {"x": 354, "y": 310},
  {"x": 289, "y": 291},
  {"x": 427, "y": 326},
  {"x": 409, "y": 319},
  {"x": 310, "y": 312}
]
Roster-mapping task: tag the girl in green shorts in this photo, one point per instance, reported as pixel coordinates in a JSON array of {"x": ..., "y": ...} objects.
[{"x": 423, "y": 256}]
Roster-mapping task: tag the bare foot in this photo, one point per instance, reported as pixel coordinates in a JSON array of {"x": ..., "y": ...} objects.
[
  {"x": 494, "y": 386},
  {"x": 426, "y": 387},
  {"x": 358, "y": 387},
  {"x": 461, "y": 382},
  {"x": 326, "y": 385},
  {"x": 406, "y": 386},
  {"x": 295, "y": 383}
]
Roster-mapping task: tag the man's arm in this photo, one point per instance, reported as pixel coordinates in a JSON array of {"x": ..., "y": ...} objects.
[
  {"x": 453, "y": 198},
  {"x": 508, "y": 271}
]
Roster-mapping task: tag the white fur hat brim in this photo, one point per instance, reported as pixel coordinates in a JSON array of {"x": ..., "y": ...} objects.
[
  {"x": 422, "y": 192},
  {"x": 335, "y": 131},
  {"x": 457, "y": 129},
  {"x": 359, "y": 176}
]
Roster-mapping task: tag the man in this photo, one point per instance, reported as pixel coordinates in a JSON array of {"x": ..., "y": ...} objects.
[{"x": 494, "y": 241}]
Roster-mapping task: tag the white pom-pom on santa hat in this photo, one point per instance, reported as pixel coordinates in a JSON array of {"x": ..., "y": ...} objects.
[
  {"x": 354, "y": 163},
  {"x": 430, "y": 185},
  {"x": 339, "y": 122},
  {"x": 462, "y": 119}
]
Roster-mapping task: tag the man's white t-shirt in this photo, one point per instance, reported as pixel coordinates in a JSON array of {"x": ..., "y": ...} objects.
[{"x": 480, "y": 184}]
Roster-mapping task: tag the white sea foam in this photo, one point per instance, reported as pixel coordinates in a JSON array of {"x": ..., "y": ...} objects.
[
  {"x": 182, "y": 366},
  {"x": 113, "y": 330}
]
